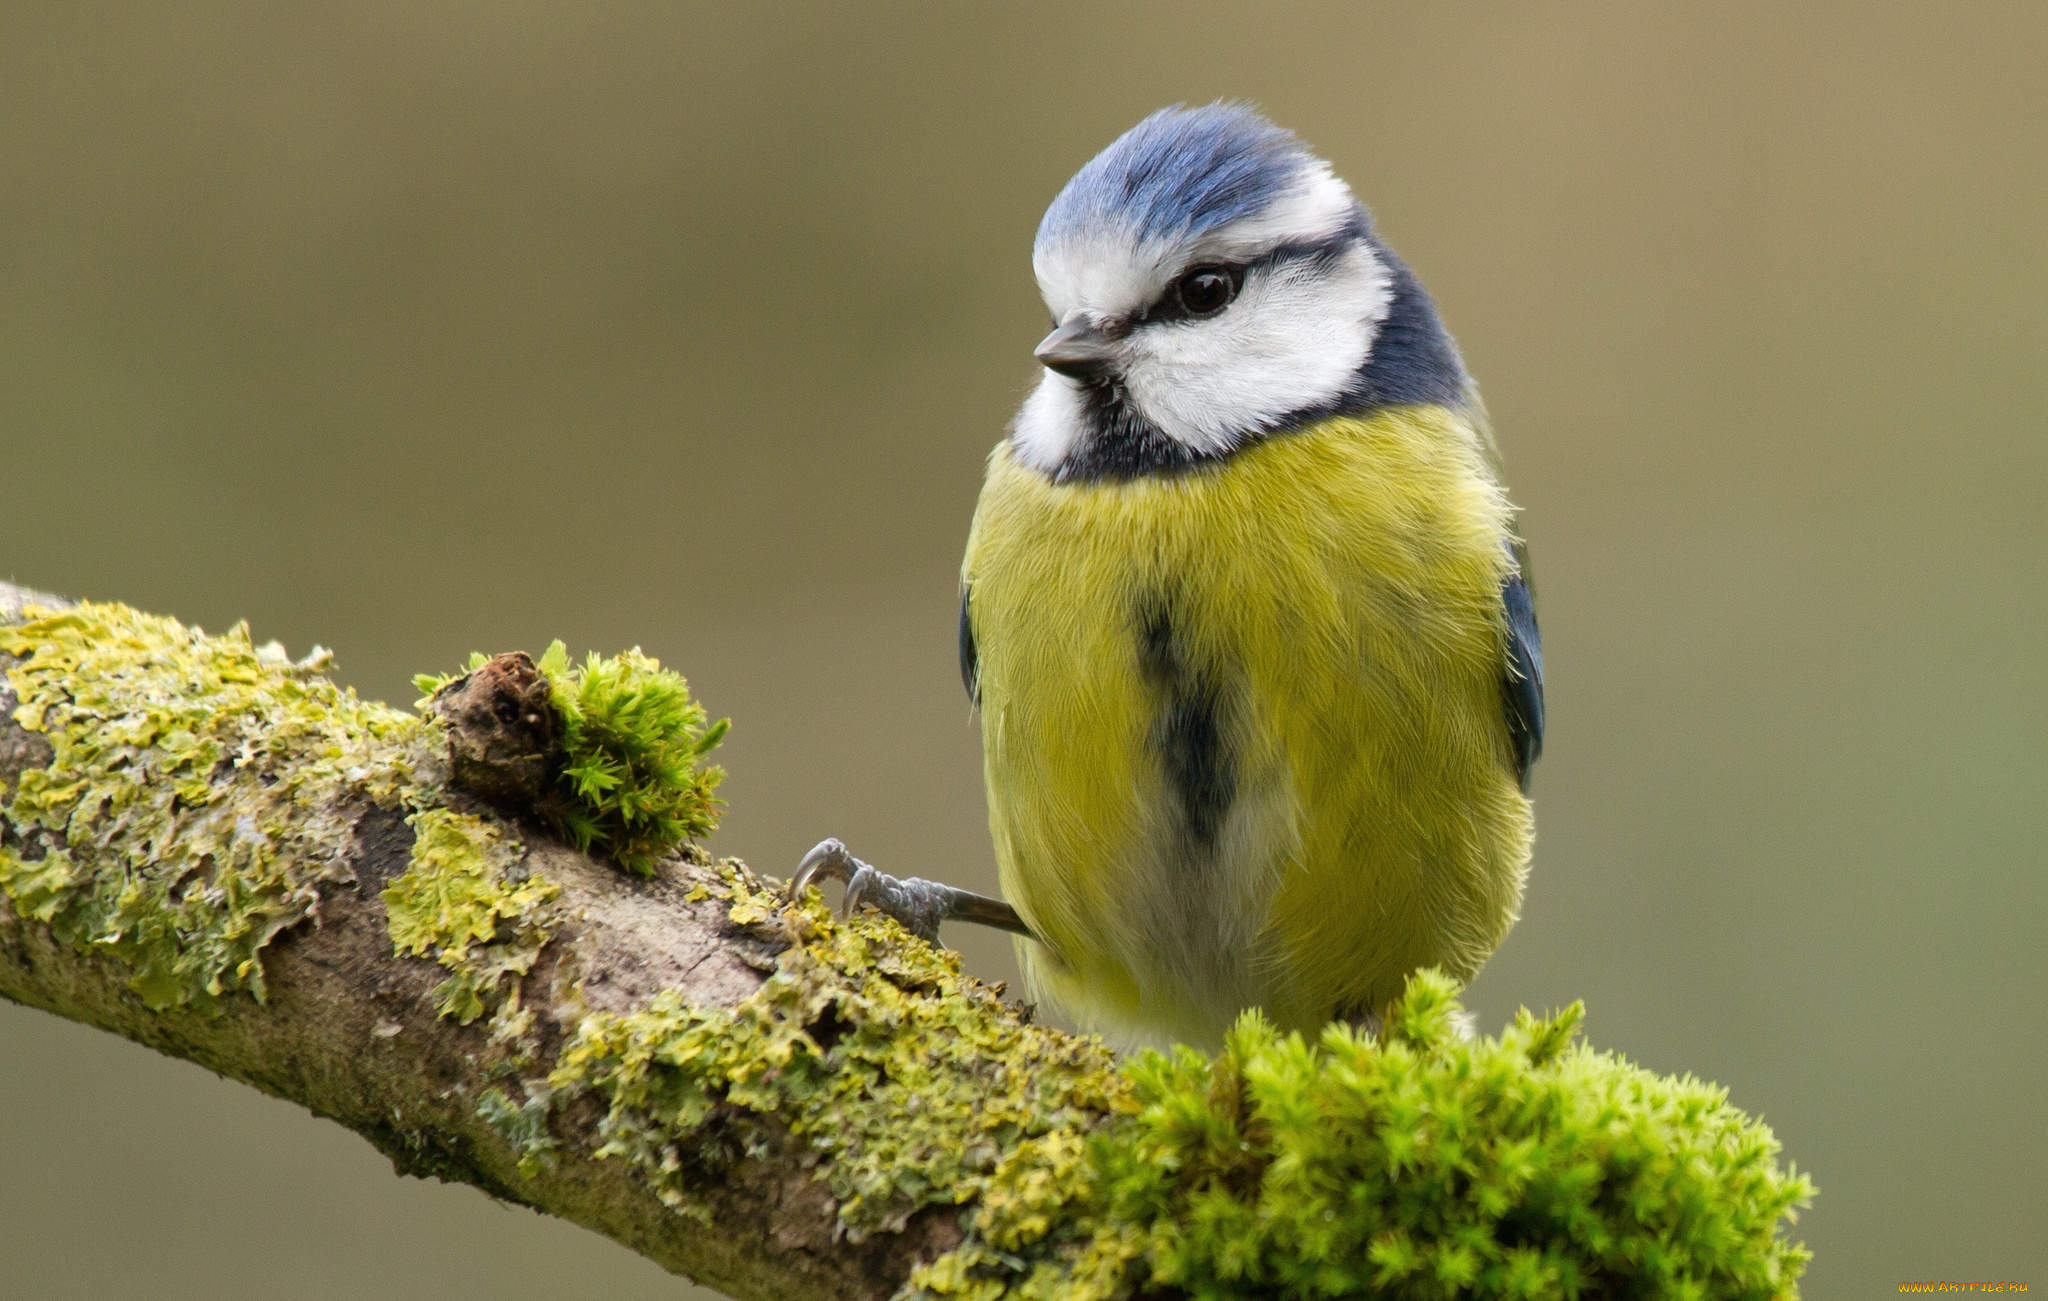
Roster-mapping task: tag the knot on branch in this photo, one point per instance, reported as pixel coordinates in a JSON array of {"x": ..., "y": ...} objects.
[{"x": 503, "y": 731}]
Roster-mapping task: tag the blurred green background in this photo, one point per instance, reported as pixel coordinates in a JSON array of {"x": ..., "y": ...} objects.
[{"x": 417, "y": 329}]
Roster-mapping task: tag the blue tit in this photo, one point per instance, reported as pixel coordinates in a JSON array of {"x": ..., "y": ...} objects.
[{"x": 1245, "y": 610}]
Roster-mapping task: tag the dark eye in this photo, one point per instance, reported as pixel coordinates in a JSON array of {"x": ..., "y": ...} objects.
[{"x": 1206, "y": 291}]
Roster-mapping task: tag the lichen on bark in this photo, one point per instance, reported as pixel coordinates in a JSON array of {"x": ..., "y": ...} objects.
[
  {"x": 908, "y": 1082},
  {"x": 467, "y": 901},
  {"x": 200, "y": 790}
]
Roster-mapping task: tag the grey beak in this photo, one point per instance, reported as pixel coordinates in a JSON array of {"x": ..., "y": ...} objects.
[{"x": 1077, "y": 349}]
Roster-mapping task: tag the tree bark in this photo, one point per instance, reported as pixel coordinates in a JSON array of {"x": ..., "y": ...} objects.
[{"x": 352, "y": 1029}]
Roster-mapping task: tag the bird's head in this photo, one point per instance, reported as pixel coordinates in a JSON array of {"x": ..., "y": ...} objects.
[{"x": 1210, "y": 281}]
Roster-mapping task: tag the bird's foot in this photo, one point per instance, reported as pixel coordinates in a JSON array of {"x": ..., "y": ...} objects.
[{"x": 919, "y": 905}]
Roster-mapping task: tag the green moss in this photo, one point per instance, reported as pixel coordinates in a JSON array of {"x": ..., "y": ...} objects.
[
  {"x": 908, "y": 1081},
  {"x": 632, "y": 783},
  {"x": 1425, "y": 1166},
  {"x": 465, "y": 900},
  {"x": 632, "y": 745},
  {"x": 197, "y": 797}
]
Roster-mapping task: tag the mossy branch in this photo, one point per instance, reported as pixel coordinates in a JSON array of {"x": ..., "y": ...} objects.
[{"x": 383, "y": 916}]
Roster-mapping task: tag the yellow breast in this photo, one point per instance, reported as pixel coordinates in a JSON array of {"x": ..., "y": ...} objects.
[{"x": 1243, "y": 727}]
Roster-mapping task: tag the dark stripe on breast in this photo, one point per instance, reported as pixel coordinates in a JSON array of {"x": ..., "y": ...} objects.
[{"x": 1188, "y": 729}]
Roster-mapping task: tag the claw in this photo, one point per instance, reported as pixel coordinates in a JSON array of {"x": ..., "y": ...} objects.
[
  {"x": 827, "y": 858},
  {"x": 918, "y": 904},
  {"x": 866, "y": 881}
]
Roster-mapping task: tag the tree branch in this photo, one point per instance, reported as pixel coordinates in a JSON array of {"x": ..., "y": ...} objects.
[
  {"x": 349, "y": 1029},
  {"x": 212, "y": 850}
]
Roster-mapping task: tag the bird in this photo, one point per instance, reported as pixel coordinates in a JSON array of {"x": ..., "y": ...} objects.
[{"x": 1245, "y": 611}]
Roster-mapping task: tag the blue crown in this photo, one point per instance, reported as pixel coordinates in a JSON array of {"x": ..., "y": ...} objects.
[{"x": 1181, "y": 172}]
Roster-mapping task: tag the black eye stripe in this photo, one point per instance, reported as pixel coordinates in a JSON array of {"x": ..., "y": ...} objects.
[
  {"x": 1171, "y": 306},
  {"x": 1321, "y": 250}
]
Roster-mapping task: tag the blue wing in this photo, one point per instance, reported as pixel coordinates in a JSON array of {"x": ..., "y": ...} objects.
[
  {"x": 970, "y": 658},
  {"x": 1522, "y": 684}
]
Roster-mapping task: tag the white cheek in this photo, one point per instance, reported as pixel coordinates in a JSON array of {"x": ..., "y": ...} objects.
[
  {"x": 1049, "y": 425},
  {"x": 1293, "y": 339}
]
